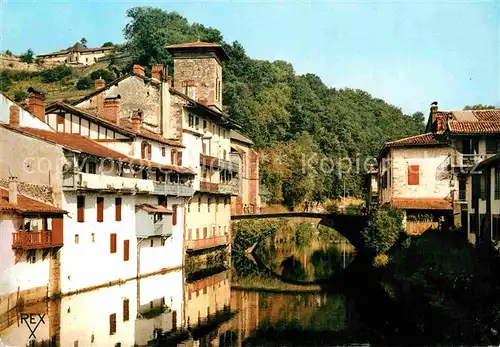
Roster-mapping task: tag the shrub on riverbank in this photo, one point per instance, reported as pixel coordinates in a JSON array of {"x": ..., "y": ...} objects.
[{"x": 383, "y": 230}]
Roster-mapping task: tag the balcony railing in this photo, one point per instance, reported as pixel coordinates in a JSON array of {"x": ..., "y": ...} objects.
[
  {"x": 33, "y": 240},
  {"x": 461, "y": 160},
  {"x": 207, "y": 242},
  {"x": 208, "y": 187},
  {"x": 209, "y": 161},
  {"x": 160, "y": 228},
  {"x": 232, "y": 188},
  {"x": 176, "y": 189},
  {"x": 228, "y": 165}
]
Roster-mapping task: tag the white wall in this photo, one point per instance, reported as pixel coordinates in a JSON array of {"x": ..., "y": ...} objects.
[
  {"x": 26, "y": 119},
  {"x": 218, "y": 216},
  {"x": 22, "y": 275},
  {"x": 90, "y": 263}
]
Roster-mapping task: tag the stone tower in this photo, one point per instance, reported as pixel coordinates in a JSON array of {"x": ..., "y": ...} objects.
[{"x": 198, "y": 71}]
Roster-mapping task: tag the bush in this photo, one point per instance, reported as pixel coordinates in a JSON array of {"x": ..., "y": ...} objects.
[
  {"x": 304, "y": 233},
  {"x": 107, "y": 44},
  {"x": 20, "y": 96},
  {"x": 8, "y": 52},
  {"x": 380, "y": 260},
  {"x": 39, "y": 61},
  {"x": 28, "y": 56},
  {"x": 383, "y": 229},
  {"x": 22, "y": 75},
  {"x": 56, "y": 74},
  {"x": 106, "y": 75},
  {"x": 5, "y": 82},
  {"x": 84, "y": 83}
]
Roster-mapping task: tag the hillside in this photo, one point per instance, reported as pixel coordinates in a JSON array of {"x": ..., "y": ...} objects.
[{"x": 307, "y": 133}]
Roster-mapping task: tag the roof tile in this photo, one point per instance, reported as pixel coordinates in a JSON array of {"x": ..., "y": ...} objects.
[
  {"x": 423, "y": 139},
  {"x": 25, "y": 204},
  {"x": 421, "y": 203}
]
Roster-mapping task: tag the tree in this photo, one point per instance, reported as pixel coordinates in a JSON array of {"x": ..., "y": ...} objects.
[
  {"x": 84, "y": 83},
  {"x": 383, "y": 229},
  {"x": 83, "y": 41},
  {"x": 107, "y": 44},
  {"x": 56, "y": 74},
  {"x": 28, "y": 56},
  {"x": 20, "y": 96},
  {"x": 106, "y": 75},
  {"x": 479, "y": 107},
  {"x": 8, "y": 52},
  {"x": 5, "y": 82}
]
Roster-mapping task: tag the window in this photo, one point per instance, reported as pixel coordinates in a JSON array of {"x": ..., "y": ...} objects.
[
  {"x": 112, "y": 243},
  {"x": 492, "y": 146},
  {"x": 190, "y": 234},
  {"x": 219, "y": 230},
  {"x": 145, "y": 150},
  {"x": 197, "y": 233},
  {"x": 126, "y": 250},
  {"x": 77, "y": 239},
  {"x": 205, "y": 125},
  {"x": 189, "y": 206},
  {"x": 80, "y": 205},
  {"x": 497, "y": 183},
  {"x": 208, "y": 204},
  {"x": 482, "y": 187},
  {"x": 213, "y": 231},
  {"x": 162, "y": 200},
  {"x": 173, "y": 156},
  {"x": 60, "y": 118},
  {"x": 112, "y": 324},
  {"x": 495, "y": 232},
  {"x": 225, "y": 230},
  {"x": 413, "y": 175},
  {"x": 191, "y": 120},
  {"x": 163, "y": 152},
  {"x": 196, "y": 122},
  {"x": 199, "y": 204},
  {"x": 174, "y": 214},
  {"x": 92, "y": 237},
  {"x": 100, "y": 209},
  {"x": 204, "y": 147},
  {"x": 92, "y": 167},
  {"x": 216, "y": 205},
  {"x": 118, "y": 209},
  {"x": 225, "y": 202},
  {"x": 205, "y": 232},
  {"x": 179, "y": 158},
  {"x": 152, "y": 243},
  {"x": 126, "y": 310}
]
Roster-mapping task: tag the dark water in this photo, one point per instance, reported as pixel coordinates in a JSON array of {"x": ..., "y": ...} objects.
[{"x": 288, "y": 297}]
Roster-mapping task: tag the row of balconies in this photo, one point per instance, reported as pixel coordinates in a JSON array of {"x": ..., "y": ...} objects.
[
  {"x": 80, "y": 180},
  {"x": 221, "y": 188},
  {"x": 461, "y": 160},
  {"x": 217, "y": 163}
]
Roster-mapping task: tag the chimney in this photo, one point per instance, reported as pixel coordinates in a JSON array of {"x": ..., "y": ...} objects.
[
  {"x": 99, "y": 83},
  {"x": 138, "y": 70},
  {"x": 14, "y": 116},
  {"x": 13, "y": 190},
  {"x": 110, "y": 108},
  {"x": 157, "y": 72},
  {"x": 99, "y": 98},
  {"x": 136, "y": 121},
  {"x": 36, "y": 103}
]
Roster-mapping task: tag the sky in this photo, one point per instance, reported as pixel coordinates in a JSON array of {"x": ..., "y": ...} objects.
[{"x": 408, "y": 53}]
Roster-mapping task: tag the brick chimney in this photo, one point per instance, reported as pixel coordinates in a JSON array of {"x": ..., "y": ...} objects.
[
  {"x": 99, "y": 98},
  {"x": 36, "y": 103},
  {"x": 157, "y": 72},
  {"x": 14, "y": 116},
  {"x": 13, "y": 189},
  {"x": 136, "y": 121},
  {"x": 138, "y": 70},
  {"x": 110, "y": 108}
]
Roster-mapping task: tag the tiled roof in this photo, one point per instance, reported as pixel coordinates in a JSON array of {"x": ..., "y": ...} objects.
[
  {"x": 475, "y": 122},
  {"x": 423, "y": 139},
  {"x": 194, "y": 44},
  {"x": 126, "y": 124},
  {"x": 78, "y": 47},
  {"x": 83, "y": 144},
  {"x": 234, "y": 135},
  {"x": 421, "y": 204},
  {"x": 25, "y": 204},
  {"x": 155, "y": 208}
]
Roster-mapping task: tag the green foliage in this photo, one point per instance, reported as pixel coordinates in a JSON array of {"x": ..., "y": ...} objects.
[
  {"x": 107, "y": 44},
  {"x": 304, "y": 234},
  {"x": 5, "y": 81},
  {"x": 20, "y": 96},
  {"x": 303, "y": 128},
  {"x": 55, "y": 74},
  {"x": 8, "y": 52},
  {"x": 83, "y": 41},
  {"x": 39, "y": 61},
  {"x": 28, "y": 56},
  {"x": 383, "y": 229},
  {"x": 106, "y": 75},
  {"x": 84, "y": 83},
  {"x": 479, "y": 107},
  {"x": 380, "y": 260}
]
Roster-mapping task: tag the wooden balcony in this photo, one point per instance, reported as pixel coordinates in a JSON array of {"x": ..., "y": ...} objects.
[
  {"x": 36, "y": 240},
  {"x": 466, "y": 161},
  {"x": 228, "y": 165},
  {"x": 215, "y": 241},
  {"x": 208, "y": 187},
  {"x": 209, "y": 161}
]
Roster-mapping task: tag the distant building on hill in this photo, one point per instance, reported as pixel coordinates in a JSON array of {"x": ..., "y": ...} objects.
[{"x": 79, "y": 54}]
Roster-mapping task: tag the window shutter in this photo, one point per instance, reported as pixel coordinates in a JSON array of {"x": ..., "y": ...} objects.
[
  {"x": 174, "y": 215},
  {"x": 163, "y": 151},
  {"x": 205, "y": 232},
  {"x": 149, "y": 152},
  {"x": 413, "y": 175},
  {"x": 204, "y": 148},
  {"x": 172, "y": 156},
  {"x": 80, "y": 203},
  {"x": 126, "y": 250},
  {"x": 112, "y": 243},
  {"x": 126, "y": 310},
  {"x": 100, "y": 209},
  {"x": 118, "y": 209},
  {"x": 179, "y": 158},
  {"x": 112, "y": 323},
  {"x": 143, "y": 150}
]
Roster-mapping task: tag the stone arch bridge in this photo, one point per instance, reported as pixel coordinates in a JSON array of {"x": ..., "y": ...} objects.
[{"x": 350, "y": 226}]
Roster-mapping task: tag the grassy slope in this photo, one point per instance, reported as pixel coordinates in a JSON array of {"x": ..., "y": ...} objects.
[{"x": 61, "y": 90}]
